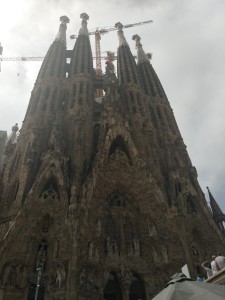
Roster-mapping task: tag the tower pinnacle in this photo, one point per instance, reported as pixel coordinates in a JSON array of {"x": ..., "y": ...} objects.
[
  {"x": 141, "y": 56},
  {"x": 12, "y": 136},
  {"x": 122, "y": 40},
  {"x": 61, "y": 35},
  {"x": 84, "y": 30},
  {"x": 216, "y": 210}
]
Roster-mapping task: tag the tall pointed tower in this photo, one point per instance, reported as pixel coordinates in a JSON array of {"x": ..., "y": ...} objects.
[
  {"x": 99, "y": 196},
  {"x": 218, "y": 215}
]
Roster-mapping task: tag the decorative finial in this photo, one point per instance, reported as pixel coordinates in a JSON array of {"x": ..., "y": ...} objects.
[
  {"x": 15, "y": 128},
  {"x": 61, "y": 36},
  {"x": 136, "y": 38},
  {"x": 13, "y": 135},
  {"x": 84, "y": 16},
  {"x": 110, "y": 56},
  {"x": 122, "y": 40},
  {"x": 119, "y": 26},
  {"x": 84, "y": 30},
  {"x": 141, "y": 56}
]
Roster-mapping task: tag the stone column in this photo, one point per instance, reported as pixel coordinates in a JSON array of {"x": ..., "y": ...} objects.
[{"x": 125, "y": 281}]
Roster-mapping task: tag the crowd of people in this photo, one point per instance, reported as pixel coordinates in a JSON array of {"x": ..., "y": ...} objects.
[{"x": 211, "y": 268}]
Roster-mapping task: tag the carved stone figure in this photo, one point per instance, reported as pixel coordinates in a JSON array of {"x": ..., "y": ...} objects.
[
  {"x": 90, "y": 250},
  {"x": 136, "y": 247},
  {"x": 7, "y": 275},
  {"x": 86, "y": 283},
  {"x": 41, "y": 256},
  {"x": 125, "y": 276},
  {"x": 73, "y": 194},
  {"x": 98, "y": 227},
  {"x": 60, "y": 275},
  {"x": 116, "y": 249},
  {"x": 20, "y": 276},
  {"x": 130, "y": 250},
  {"x": 164, "y": 253},
  {"x": 109, "y": 246},
  {"x": 56, "y": 249},
  {"x": 151, "y": 229}
]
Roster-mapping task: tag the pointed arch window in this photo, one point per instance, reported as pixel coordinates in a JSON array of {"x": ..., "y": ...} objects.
[
  {"x": 116, "y": 199},
  {"x": 119, "y": 148},
  {"x": 137, "y": 289},
  {"x": 50, "y": 191},
  {"x": 32, "y": 291},
  {"x": 191, "y": 206},
  {"x": 112, "y": 290}
]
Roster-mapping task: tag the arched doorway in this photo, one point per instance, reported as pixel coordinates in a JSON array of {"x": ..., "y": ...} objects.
[
  {"x": 137, "y": 289},
  {"x": 112, "y": 289},
  {"x": 32, "y": 292}
]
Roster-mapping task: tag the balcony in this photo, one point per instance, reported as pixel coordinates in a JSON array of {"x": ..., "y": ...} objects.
[{"x": 218, "y": 278}]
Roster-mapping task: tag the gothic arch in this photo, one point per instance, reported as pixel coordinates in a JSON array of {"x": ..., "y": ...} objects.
[
  {"x": 137, "y": 288},
  {"x": 123, "y": 138},
  {"x": 191, "y": 204},
  {"x": 32, "y": 291},
  {"x": 116, "y": 198},
  {"x": 50, "y": 190},
  {"x": 119, "y": 146},
  {"x": 51, "y": 174},
  {"x": 112, "y": 290}
]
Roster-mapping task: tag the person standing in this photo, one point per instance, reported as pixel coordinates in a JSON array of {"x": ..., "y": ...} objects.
[
  {"x": 213, "y": 265},
  {"x": 205, "y": 266},
  {"x": 220, "y": 261}
]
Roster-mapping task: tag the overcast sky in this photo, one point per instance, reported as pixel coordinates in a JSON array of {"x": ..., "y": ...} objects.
[{"x": 187, "y": 42}]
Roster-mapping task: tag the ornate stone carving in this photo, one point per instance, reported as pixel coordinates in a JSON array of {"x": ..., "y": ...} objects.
[
  {"x": 87, "y": 285},
  {"x": 14, "y": 275},
  {"x": 137, "y": 250},
  {"x": 90, "y": 250},
  {"x": 125, "y": 276},
  {"x": 49, "y": 194},
  {"x": 151, "y": 229},
  {"x": 98, "y": 228},
  {"x": 41, "y": 255},
  {"x": 60, "y": 272},
  {"x": 109, "y": 246},
  {"x": 164, "y": 253}
]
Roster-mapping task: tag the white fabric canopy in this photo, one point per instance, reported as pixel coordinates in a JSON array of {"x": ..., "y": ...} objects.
[{"x": 192, "y": 290}]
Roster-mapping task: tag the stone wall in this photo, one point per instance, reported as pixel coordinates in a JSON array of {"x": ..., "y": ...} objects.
[{"x": 3, "y": 138}]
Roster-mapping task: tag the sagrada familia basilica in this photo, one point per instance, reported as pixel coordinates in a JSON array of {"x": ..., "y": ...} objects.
[{"x": 99, "y": 198}]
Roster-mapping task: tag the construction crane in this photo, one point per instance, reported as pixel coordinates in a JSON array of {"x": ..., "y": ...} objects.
[
  {"x": 103, "y": 30},
  {"x": 22, "y": 58},
  {"x": 41, "y": 58},
  {"x": 97, "y": 33}
]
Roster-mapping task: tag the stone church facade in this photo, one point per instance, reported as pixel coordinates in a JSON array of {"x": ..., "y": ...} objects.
[{"x": 99, "y": 198}]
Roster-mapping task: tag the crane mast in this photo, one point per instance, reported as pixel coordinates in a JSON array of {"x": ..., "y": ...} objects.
[{"x": 97, "y": 33}]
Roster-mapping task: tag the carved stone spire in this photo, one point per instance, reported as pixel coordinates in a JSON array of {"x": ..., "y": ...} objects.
[
  {"x": 126, "y": 65},
  {"x": 141, "y": 56},
  {"x": 149, "y": 78},
  {"x": 61, "y": 35},
  {"x": 81, "y": 60},
  {"x": 84, "y": 30},
  {"x": 218, "y": 215},
  {"x": 122, "y": 40}
]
